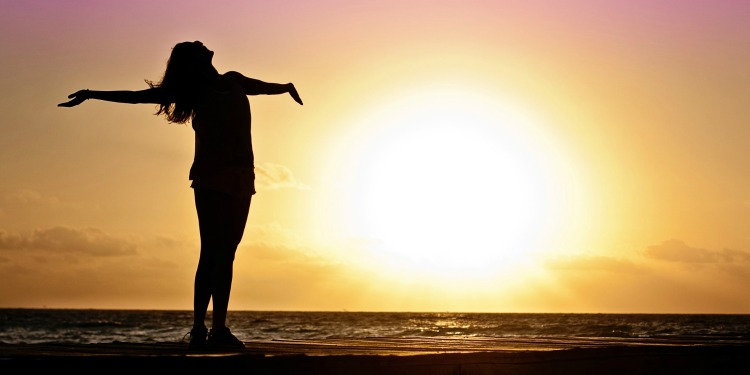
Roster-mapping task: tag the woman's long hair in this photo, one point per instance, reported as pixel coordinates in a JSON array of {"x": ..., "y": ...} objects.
[{"x": 185, "y": 78}]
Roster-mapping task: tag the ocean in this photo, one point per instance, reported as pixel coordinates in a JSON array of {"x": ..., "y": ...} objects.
[{"x": 34, "y": 326}]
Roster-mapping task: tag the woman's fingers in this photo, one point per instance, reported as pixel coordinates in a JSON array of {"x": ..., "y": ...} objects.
[{"x": 74, "y": 102}]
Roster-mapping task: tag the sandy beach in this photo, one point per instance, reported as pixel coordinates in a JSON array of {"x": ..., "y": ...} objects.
[{"x": 391, "y": 356}]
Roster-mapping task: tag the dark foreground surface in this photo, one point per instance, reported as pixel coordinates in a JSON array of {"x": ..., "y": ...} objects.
[{"x": 388, "y": 356}]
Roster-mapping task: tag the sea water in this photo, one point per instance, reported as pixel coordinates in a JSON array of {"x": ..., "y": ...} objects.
[{"x": 144, "y": 326}]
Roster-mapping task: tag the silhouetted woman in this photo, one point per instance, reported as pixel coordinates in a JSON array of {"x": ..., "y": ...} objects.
[{"x": 222, "y": 173}]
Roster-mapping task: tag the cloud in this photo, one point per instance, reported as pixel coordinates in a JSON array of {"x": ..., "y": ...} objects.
[
  {"x": 274, "y": 177},
  {"x": 89, "y": 241},
  {"x": 595, "y": 263},
  {"x": 33, "y": 198},
  {"x": 286, "y": 254},
  {"x": 677, "y": 251},
  {"x": 27, "y": 196},
  {"x": 22, "y": 207},
  {"x": 270, "y": 252}
]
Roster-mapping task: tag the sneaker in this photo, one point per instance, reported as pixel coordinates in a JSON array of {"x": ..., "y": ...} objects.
[
  {"x": 222, "y": 338},
  {"x": 198, "y": 338}
]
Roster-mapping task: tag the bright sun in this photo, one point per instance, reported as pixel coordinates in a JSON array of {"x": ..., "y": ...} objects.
[{"x": 447, "y": 180}]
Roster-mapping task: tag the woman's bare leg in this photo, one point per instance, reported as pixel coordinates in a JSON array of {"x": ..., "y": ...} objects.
[{"x": 222, "y": 219}]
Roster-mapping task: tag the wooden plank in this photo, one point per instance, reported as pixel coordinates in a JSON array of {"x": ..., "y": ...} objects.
[{"x": 388, "y": 356}]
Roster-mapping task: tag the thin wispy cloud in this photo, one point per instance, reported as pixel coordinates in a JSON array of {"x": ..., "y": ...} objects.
[
  {"x": 64, "y": 240},
  {"x": 271, "y": 176},
  {"x": 675, "y": 250},
  {"x": 595, "y": 263}
]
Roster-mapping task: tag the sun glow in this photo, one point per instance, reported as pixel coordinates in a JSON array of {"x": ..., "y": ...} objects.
[{"x": 447, "y": 180}]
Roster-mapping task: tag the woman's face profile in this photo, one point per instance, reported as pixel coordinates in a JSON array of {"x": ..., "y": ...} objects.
[
  {"x": 203, "y": 50},
  {"x": 193, "y": 51}
]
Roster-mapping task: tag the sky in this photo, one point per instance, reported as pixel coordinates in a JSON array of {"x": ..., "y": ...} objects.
[{"x": 465, "y": 156}]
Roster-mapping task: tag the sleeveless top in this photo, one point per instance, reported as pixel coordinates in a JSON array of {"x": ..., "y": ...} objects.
[{"x": 223, "y": 144}]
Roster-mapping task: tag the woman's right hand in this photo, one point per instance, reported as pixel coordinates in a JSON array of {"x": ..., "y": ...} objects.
[
  {"x": 77, "y": 98},
  {"x": 294, "y": 94}
]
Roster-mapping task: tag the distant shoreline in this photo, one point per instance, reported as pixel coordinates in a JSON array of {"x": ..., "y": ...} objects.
[{"x": 382, "y": 312}]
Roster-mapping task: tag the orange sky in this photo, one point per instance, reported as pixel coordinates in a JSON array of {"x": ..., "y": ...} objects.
[{"x": 508, "y": 156}]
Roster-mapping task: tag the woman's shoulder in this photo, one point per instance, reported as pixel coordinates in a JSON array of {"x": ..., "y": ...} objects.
[
  {"x": 231, "y": 81},
  {"x": 234, "y": 75}
]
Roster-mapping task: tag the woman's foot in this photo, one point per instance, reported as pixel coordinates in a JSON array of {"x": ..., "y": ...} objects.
[
  {"x": 198, "y": 338},
  {"x": 222, "y": 338}
]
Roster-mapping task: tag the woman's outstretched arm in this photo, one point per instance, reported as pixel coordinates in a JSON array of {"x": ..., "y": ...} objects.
[
  {"x": 151, "y": 95},
  {"x": 253, "y": 86}
]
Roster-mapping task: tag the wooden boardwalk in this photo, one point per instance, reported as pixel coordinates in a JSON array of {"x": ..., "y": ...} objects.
[{"x": 391, "y": 356}]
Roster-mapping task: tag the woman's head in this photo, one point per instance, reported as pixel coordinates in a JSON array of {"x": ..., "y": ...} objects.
[
  {"x": 189, "y": 69},
  {"x": 190, "y": 55}
]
